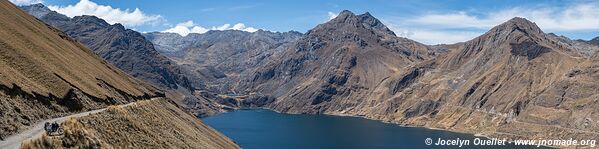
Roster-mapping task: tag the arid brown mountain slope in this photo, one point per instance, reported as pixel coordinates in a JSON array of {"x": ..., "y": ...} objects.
[
  {"x": 44, "y": 73},
  {"x": 512, "y": 77},
  {"x": 337, "y": 66},
  {"x": 131, "y": 52}
]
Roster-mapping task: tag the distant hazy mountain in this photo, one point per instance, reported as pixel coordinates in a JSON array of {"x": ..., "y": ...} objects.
[
  {"x": 595, "y": 41},
  {"x": 221, "y": 56}
]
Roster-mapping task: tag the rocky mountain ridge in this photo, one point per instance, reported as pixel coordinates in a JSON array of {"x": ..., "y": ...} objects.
[
  {"x": 513, "y": 81},
  {"x": 131, "y": 52},
  {"x": 125, "y": 48},
  {"x": 513, "y": 76},
  {"x": 337, "y": 65}
]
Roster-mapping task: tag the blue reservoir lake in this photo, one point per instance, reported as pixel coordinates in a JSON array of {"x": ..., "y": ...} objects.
[{"x": 265, "y": 129}]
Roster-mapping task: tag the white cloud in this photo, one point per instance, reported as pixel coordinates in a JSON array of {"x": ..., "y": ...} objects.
[
  {"x": 332, "y": 15},
  {"x": 432, "y": 36},
  {"x": 436, "y": 37},
  {"x": 569, "y": 18},
  {"x": 25, "y": 2},
  {"x": 452, "y": 27},
  {"x": 188, "y": 27},
  {"x": 241, "y": 26},
  {"x": 126, "y": 17}
]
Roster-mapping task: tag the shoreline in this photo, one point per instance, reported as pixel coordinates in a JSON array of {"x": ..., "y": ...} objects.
[{"x": 478, "y": 135}]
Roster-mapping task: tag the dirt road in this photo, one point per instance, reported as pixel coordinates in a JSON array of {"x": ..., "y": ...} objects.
[{"x": 37, "y": 130}]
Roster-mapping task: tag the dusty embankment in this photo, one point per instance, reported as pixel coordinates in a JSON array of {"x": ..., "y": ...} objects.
[{"x": 155, "y": 123}]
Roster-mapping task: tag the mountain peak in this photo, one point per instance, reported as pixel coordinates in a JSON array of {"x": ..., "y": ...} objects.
[
  {"x": 594, "y": 41},
  {"x": 344, "y": 16},
  {"x": 345, "y": 13},
  {"x": 521, "y": 24},
  {"x": 349, "y": 20},
  {"x": 38, "y": 5},
  {"x": 367, "y": 14},
  {"x": 370, "y": 21},
  {"x": 514, "y": 29},
  {"x": 37, "y": 10},
  {"x": 91, "y": 19}
]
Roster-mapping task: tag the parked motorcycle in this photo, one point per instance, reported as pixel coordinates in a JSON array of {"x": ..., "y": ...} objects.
[{"x": 53, "y": 129}]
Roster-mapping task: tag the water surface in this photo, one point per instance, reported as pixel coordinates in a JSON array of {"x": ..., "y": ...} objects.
[{"x": 265, "y": 129}]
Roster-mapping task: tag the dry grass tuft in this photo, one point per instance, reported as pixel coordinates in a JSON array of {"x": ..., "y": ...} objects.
[
  {"x": 75, "y": 136},
  {"x": 146, "y": 124}
]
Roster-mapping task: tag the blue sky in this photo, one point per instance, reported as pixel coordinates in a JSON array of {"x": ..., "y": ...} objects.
[{"x": 427, "y": 21}]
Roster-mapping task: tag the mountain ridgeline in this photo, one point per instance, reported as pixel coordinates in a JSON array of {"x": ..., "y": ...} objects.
[
  {"x": 513, "y": 81},
  {"x": 222, "y": 58},
  {"x": 124, "y": 48},
  {"x": 131, "y": 52},
  {"x": 514, "y": 76},
  {"x": 337, "y": 65}
]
